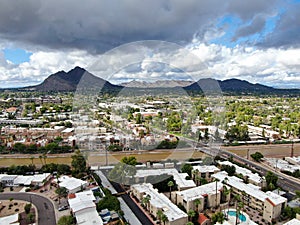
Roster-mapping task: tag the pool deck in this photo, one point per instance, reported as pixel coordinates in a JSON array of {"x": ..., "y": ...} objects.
[{"x": 231, "y": 219}]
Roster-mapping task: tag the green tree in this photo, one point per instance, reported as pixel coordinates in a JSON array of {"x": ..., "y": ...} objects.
[
  {"x": 130, "y": 160},
  {"x": 78, "y": 162},
  {"x": 170, "y": 185},
  {"x": 218, "y": 217},
  {"x": 66, "y": 220},
  {"x": 197, "y": 202},
  {"x": 257, "y": 156},
  {"x": 271, "y": 180},
  {"x": 191, "y": 213},
  {"x": 187, "y": 168},
  {"x": 27, "y": 208}
]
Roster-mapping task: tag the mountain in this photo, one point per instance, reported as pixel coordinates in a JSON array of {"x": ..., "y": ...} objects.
[
  {"x": 69, "y": 81},
  {"x": 157, "y": 84},
  {"x": 236, "y": 86}
]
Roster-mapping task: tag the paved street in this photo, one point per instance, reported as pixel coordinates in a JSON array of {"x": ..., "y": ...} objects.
[
  {"x": 45, "y": 208},
  {"x": 128, "y": 214}
]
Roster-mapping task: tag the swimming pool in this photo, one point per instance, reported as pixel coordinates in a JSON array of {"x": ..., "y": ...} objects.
[{"x": 241, "y": 216}]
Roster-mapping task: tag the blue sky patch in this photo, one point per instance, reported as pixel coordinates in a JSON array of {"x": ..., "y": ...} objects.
[{"x": 17, "y": 56}]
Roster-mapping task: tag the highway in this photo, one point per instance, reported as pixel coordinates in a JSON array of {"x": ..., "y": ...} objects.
[
  {"x": 286, "y": 182},
  {"x": 45, "y": 208}
]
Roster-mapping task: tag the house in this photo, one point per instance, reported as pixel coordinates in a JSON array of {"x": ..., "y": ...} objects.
[
  {"x": 83, "y": 207},
  {"x": 72, "y": 184}
]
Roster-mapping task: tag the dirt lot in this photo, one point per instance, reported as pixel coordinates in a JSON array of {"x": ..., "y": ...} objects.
[{"x": 271, "y": 151}]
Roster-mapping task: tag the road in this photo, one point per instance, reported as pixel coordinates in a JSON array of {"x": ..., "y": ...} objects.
[
  {"x": 134, "y": 208},
  {"x": 288, "y": 183},
  {"x": 45, "y": 208}
]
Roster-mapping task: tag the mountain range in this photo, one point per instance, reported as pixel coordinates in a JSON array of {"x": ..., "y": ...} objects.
[{"x": 69, "y": 81}]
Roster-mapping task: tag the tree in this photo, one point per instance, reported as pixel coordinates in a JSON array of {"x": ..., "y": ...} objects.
[
  {"x": 61, "y": 192},
  {"x": 218, "y": 217},
  {"x": 30, "y": 218},
  {"x": 27, "y": 208},
  {"x": 271, "y": 180},
  {"x": 257, "y": 156},
  {"x": 170, "y": 185},
  {"x": 187, "y": 168},
  {"x": 197, "y": 202},
  {"x": 66, "y": 220},
  {"x": 164, "y": 218},
  {"x": 191, "y": 213},
  {"x": 78, "y": 162},
  {"x": 130, "y": 160},
  {"x": 146, "y": 201},
  {"x": 189, "y": 223},
  {"x": 159, "y": 214}
]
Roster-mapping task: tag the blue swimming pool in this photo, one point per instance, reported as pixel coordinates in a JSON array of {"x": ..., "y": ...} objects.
[{"x": 241, "y": 217}]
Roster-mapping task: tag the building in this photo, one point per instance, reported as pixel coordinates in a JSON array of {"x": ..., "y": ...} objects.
[
  {"x": 182, "y": 183},
  {"x": 208, "y": 196},
  {"x": 159, "y": 202},
  {"x": 72, "y": 184},
  {"x": 10, "y": 220},
  {"x": 83, "y": 207},
  {"x": 269, "y": 203},
  {"x": 204, "y": 171},
  {"x": 253, "y": 178}
]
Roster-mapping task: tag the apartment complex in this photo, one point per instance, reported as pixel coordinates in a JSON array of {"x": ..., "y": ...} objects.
[
  {"x": 269, "y": 203},
  {"x": 200, "y": 198},
  {"x": 159, "y": 201}
]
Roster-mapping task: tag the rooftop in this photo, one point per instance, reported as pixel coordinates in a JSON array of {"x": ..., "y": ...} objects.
[
  {"x": 178, "y": 177},
  {"x": 199, "y": 192},
  {"x": 161, "y": 201}
]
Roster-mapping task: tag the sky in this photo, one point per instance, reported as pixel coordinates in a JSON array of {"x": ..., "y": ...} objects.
[{"x": 257, "y": 40}]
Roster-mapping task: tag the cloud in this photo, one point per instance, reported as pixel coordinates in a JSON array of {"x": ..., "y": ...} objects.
[
  {"x": 256, "y": 26},
  {"x": 97, "y": 26}
]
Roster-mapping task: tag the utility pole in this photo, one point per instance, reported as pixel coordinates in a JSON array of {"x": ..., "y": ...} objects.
[{"x": 292, "y": 150}]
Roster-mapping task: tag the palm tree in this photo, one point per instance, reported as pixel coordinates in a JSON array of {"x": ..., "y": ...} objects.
[
  {"x": 191, "y": 213},
  {"x": 159, "y": 215},
  {"x": 197, "y": 203},
  {"x": 170, "y": 185},
  {"x": 45, "y": 157},
  {"x": 227, "y": 191},
  {"x": 146, "y": 200},
  {"x": 198, "y": 180},
  {"x": 41, "y": 158},
  {"x": 189, "y": 223},
  {"x": 32, "y": 158},
  {"x": 164, "y": 218}
]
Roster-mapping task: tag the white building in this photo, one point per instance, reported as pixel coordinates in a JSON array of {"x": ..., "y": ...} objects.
[
  {"x": 253, "y": 178},
  {"x": 179, "y": 178},
  {"x": 204, "y": 171},
  {"x": 159, "y": 201},
  {"x": 72, "y": 184},
  {"x": 269, "y": 203},
  {"x": 208, "y": 194},
  {"x": 83, "y": 208},
  {"x": 10, "y": 220}
]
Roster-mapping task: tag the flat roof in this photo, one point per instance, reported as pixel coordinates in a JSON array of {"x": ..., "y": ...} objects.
[
  {"x": 255, "y": 177},
  {"x": 70, "y": 182},
  {"x": 161, "y": 201},
  {"x": 178, "y": 177},
  {"x": 206, "y": 168},
  {"x": 293, "y": 222},
  {"x": 199, "y": 192},
  {"x": 250, "y": 189},
  {"x": 89, "y": 217}
]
